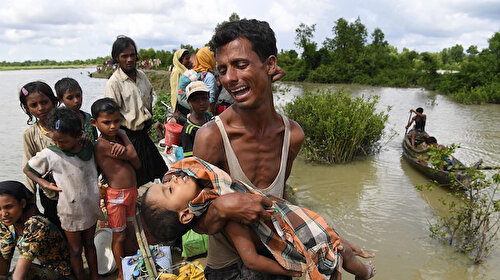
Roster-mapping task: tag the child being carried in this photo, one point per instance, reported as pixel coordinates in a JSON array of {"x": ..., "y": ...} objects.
[{"x": 300, "y": 240}]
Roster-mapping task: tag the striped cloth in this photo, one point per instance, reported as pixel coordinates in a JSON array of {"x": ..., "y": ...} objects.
[{"x": 299, "y": 239}]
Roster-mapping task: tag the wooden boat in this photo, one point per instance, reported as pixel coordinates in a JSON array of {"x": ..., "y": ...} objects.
[{"x": 412, "y": 155}]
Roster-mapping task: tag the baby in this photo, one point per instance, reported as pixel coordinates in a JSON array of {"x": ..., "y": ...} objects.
[{"x": 298, "y": 239}]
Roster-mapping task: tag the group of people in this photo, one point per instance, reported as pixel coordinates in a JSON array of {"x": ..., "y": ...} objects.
[{"x": 232, "y": 188}]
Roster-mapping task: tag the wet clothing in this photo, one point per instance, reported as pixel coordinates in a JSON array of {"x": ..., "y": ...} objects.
[
  {"x": 78, "y": 206},
  {"x": 120, "y": 205},
  {"x": 41, "y": 240},
  {"x": 298, "y": 238},
  {"x": 188, "y": 133}
]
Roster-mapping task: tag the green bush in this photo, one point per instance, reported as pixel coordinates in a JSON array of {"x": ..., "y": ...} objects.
[{"x": 336, "y": 126}]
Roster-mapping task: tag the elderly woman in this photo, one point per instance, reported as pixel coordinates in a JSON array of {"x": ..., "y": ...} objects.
[
  {"x": 22, "y": 226},
  {"x": 202, "y": 71}
]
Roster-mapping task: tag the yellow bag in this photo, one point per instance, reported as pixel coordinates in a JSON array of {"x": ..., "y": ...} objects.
[{"x": 189, "y": 271}]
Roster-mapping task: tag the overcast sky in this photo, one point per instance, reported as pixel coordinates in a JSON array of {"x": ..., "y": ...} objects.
[{"x": 68, "y": 29}]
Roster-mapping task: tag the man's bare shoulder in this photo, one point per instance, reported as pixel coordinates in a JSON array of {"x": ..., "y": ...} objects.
[
  {"x": 208, "y": 143},
  {"x": 296, "y": 135}
]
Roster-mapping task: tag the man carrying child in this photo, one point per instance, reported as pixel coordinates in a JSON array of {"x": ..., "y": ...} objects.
[{"x": 117, "y": 158}]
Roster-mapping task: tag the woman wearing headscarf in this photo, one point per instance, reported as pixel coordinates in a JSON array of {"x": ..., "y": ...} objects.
[
  {"x": 181, "y": 63},
  {"x": 22, "y": 226},
  {"x": 202, "y": 71}
]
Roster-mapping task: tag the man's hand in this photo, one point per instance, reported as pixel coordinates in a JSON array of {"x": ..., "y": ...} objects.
[
  {"x": 278, "y": 74},
  {"x": 243, "y": 208}
]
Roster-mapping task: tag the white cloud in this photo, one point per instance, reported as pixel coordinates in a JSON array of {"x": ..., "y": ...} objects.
[{"x": 62, "y": 30}]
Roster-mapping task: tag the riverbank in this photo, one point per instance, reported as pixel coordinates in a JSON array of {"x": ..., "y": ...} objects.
[{"x": 32, "y": 67}]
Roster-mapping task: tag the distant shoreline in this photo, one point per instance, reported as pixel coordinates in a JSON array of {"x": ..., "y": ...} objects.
[{"x": 33, "y": 67}]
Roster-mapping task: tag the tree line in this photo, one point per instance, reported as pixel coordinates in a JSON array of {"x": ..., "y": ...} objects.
[
  {"x": 472, "y": 76},
  {"x": 351, "y": 56}
]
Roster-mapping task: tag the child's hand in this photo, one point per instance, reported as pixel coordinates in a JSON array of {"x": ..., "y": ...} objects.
[
  {"x": 117, "y": 149},
  {"x": 84, "y": 141},
  {"x": 53, "y": 187}
]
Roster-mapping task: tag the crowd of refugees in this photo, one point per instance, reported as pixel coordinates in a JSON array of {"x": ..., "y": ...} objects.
[{"x": 231, "y": 185}]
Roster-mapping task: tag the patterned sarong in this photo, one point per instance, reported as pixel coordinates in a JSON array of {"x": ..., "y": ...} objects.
[{"x": 299, "y": 239}]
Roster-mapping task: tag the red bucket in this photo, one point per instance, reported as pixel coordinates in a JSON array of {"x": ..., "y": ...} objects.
[{"x": 172, "y": 134}]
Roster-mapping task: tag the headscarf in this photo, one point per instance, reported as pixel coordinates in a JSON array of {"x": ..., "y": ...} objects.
[
  {"x": 205, "y": 60},
  {"x": 176, "y": 73},
  {"x": 16, "y": 189}
]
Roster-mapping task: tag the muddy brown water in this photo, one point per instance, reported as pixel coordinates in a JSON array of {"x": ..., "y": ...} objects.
[{"x": 371, "y": 201}]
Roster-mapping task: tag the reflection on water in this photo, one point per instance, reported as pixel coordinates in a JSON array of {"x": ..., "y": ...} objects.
[{"x": 371, "y": 202}]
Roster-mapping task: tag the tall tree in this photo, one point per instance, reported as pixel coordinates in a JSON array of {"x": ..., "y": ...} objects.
[{"x": 233, "y": 17}]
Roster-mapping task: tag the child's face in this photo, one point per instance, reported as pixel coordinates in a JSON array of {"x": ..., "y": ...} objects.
[
  {"x": 175, "y": 194},
  {"x": 108, "y": 124},
  {"x": 199, "y": 102},
  {"x": 72, "y": 99},
  {"x": 65, "y": 142},
  {"x": 39, "y": 105}
]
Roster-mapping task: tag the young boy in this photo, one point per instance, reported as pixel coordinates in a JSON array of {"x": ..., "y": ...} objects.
[
  {"x": 299, "y": 239},
  {"x": 73, "y": 168},
  {"x": 198, "y": 100},
  {"x": 69, "y": 93},
  {"x": 117, "y": 158}
]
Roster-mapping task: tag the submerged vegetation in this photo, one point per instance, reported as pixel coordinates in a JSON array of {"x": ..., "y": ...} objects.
[
  {"x": 337, "y": 127},
  {"x": 473, "y": 218}
]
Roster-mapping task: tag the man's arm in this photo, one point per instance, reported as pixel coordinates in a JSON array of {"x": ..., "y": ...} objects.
[
  {"x": 241, "y": 237},
  {"x": 208, "y": 145},
  {"x": 244, "y": 208},
  {"x": 410, "y": 122},
  {"x": 296, "y": 140}
]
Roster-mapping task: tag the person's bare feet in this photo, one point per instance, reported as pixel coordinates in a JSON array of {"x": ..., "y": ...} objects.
[
  {"x": 371, "y": 271},
  {"x": 361, "y": 252},
  {"x": 366, "y": 254}
]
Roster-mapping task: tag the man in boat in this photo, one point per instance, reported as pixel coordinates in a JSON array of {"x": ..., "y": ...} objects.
[
  {"x": 250, "y": 140},
  {"x": 418, "y": 130}
]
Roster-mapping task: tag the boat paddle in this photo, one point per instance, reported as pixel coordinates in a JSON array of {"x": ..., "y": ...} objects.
[{"x": 409, "y": 118}]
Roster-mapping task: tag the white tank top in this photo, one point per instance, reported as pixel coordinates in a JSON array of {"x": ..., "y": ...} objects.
[{"x": 277, "y": 186}]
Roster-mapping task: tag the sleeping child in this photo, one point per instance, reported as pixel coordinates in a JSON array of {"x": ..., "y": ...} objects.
[{"x": 299, "y": 240}]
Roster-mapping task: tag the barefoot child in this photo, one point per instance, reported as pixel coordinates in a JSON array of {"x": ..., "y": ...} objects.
[
  {"x": 70, "y": 94},
  {"x": 37, "y": 100},
  {"x": 117, "y": 159},
  {"x": 197, "y": 98},
  {"x": 75, "y": 174},
  {"x": 299, "y": 240}
]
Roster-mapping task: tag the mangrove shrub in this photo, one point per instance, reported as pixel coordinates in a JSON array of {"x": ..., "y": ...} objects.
[
  {"x": 473, "y": 219},
  {"x": 336, "y": 126}
]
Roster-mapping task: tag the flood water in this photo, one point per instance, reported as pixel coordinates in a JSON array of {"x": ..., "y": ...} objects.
[{"x": 371, "y": 201}]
